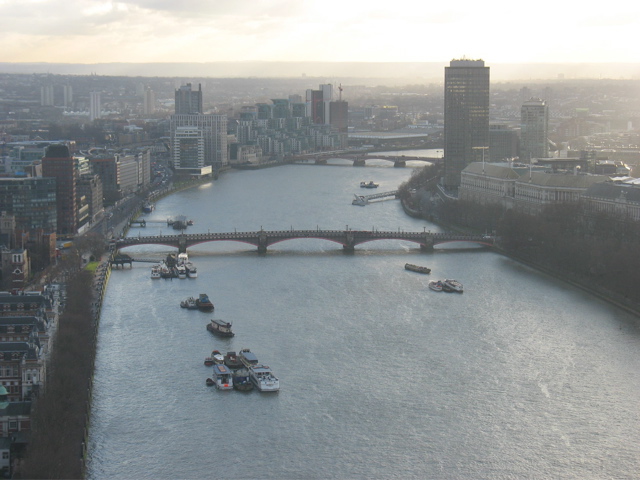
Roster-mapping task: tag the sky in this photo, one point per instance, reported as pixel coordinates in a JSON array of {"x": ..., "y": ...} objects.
[{"x": 498, "y": 31}]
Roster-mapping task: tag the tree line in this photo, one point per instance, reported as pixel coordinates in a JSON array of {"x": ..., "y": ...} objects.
[{"x": 600, "y": 250}]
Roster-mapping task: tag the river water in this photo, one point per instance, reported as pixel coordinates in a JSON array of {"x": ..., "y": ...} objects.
[{"x": 521, "y": 376}]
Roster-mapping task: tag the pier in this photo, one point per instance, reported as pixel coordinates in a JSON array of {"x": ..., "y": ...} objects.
[{"x": 363, "y": 200}]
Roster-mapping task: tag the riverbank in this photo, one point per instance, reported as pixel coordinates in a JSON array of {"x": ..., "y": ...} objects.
[{"x": 585, "y": 284}]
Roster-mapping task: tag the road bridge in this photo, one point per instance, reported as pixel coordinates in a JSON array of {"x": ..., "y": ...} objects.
[
  {"x": 262, "y": 239},
  {"x": 360, "y": 160}
]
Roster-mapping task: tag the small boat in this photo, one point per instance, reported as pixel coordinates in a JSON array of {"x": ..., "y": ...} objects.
[
  {"x": 231, "y": 360},
  {"x": 189, "y": 303},
  {"x": 263, "y": 378},
  {"x": 204, "y": 303},
  {"x": 217, "y": 357},
  {"x": 242, "y": 380},
  {"x": 450, "y": 285},
  {"x": 210, "y": 382},
  {"x": 416, "y": 268},
  {"x": 369, "y": 184},
  {"x": 436, "y": 285},
  {"x": 182, "y": 271},
  {"x": 222, "y": 377},
  {"x": 155, "y": 271},
  {"x": 220, "y": 327},
  {"x": 148, "y": 207},
  {"x": 247, "y": 357},
  {"x": 208, "y": 362},
  {"x": 192, "y": 272}
]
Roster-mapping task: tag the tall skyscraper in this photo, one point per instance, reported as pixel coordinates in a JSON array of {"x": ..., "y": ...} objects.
[
  {"x": 148, "y": 101},
  {"x": 318, "y": 104},
  {"x": 466, "y": 117},
  {"x": 46, "y": 95},
  {"x": 95, "y": 108},
  {"x": 59, "y": 164},
  {"x": 188, "y": 101},
  {"x": 534, "y": 129}
]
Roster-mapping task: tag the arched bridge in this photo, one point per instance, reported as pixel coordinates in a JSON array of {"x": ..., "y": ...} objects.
[{"x": 262, "y": 239}]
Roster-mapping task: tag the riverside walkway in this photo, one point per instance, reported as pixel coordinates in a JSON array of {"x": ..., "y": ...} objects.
[{"x": 262, "y": 239}]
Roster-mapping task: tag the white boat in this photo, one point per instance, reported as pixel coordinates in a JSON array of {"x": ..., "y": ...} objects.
[
  {"x": 182, "y": 271},
  {"x": 263, "y": 378},
  {"x": 192, "y": 272},
  {"x": 450, "y": 285},
  {"x": 436, "y": 285},
  {"x": 182, "y": 259},
  {"x": 223, "y": 377},
  {"x": 155, "y": 271},
  {"x": 369, "y": 184}
]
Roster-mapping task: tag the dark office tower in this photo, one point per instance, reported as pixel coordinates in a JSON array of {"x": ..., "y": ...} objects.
[
  {"x": 59, "y": 164},
  {"x": 189, "y": 102},
  {"x": 466, "y": 117}
]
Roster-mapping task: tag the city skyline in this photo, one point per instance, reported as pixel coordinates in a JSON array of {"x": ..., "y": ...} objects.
[{"x": 77, "y": 31}]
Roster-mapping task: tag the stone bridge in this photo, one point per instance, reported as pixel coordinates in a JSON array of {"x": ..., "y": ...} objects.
[{"x": 262, "y": 239}]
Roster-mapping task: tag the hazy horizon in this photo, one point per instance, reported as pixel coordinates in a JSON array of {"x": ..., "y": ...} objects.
[
  {"x": 421, "y": 72},
  {"x": 151, "y": 31}
]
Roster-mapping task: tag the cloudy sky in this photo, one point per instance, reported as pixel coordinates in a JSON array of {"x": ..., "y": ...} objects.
[{"x": 93, "y": 31}]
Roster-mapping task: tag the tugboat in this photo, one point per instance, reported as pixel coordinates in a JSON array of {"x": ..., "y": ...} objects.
[
  {"x": 203, "y": 303},
  {"x": 189, "y": 304},
  {"x": 369, "y": 184},
  {"x": 220, "y": 327}
]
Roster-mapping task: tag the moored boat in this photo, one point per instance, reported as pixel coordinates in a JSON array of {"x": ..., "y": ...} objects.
[
  {"x": 182, "y": 271},
  {"x": 436, "y": 285},
  {"x": 208, "y": 361},
  {"x": 247, "y": 357},
  {"x": 369, "y": 184},
  {"x": 204, "y": 303},
  {"x": 222, "y": 377},
  {"x": 263, "y": 378},
  {"x": 450, "y": 285},
  {"x": 189, "y": 303},
  {"x": 192, "y": 272},
  {"x": 241, "y": 380},
  {"x": 231, "y": 360},
  {"x": 220, "y": 327},
  {"x": 217, "y": 357},
  {"x": 148, "y": 207},
  {"x": 155, "y": 271},
  {"x": 416, "y": 268}
]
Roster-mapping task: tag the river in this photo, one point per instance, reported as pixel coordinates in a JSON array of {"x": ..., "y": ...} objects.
[{"x": 522, "y": 376}]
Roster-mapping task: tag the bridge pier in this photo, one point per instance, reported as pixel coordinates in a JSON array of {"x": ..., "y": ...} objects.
[
  {"x": 182, "y": 244},
  {"x": 359, "y": 162},
  {"x": 320, "y": 161},
  {"x": 262, "y": 243},
  {"x": 427, "y": 245},
  {"x": 399, "y": 163},
  {"x": 349, "y": 245}
]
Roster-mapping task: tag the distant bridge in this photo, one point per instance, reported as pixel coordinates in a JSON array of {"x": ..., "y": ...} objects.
[
  {"x": 262, "y": 239},
  {"x": 360, "y": 160}
]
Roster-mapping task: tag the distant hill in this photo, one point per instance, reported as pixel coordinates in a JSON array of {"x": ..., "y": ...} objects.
[{"x": 402, "y": 72}]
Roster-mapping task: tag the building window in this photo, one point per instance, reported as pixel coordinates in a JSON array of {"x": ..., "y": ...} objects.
[{"x": 5, "y": 455}]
